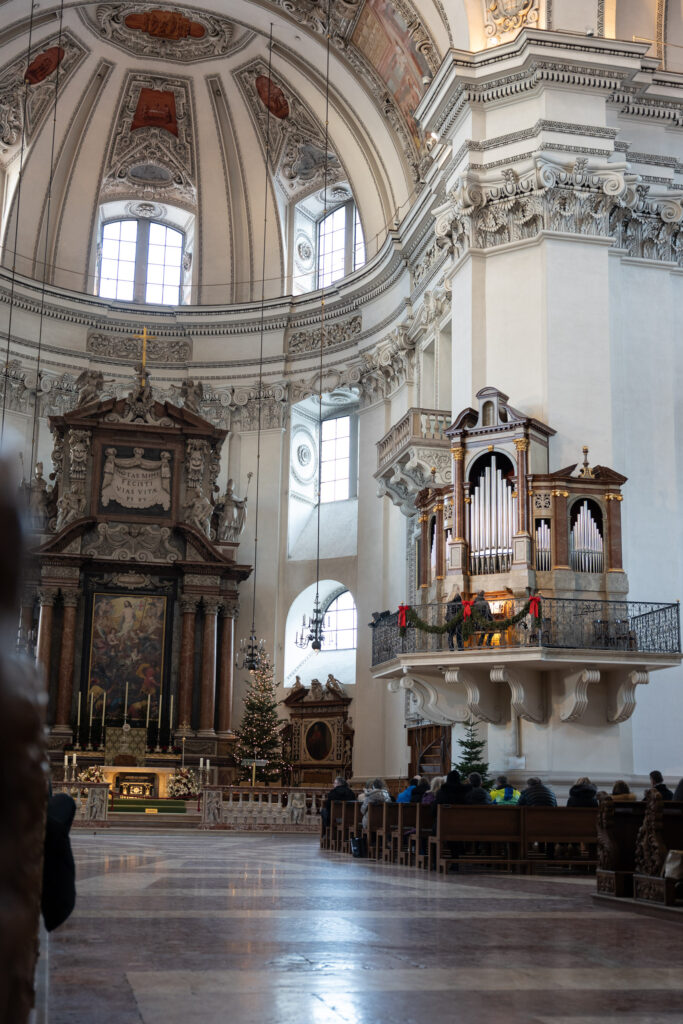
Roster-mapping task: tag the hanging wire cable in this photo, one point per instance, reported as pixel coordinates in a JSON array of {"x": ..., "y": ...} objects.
[
  {"x": 16, "y": 225},
  {"x": 315, "y": 623},
  {"x": 254, "y": 654},
  {"x": 48, "y": 205}
]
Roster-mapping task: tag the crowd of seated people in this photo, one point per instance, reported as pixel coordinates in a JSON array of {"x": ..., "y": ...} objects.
[{"x": 454, "y": 789}]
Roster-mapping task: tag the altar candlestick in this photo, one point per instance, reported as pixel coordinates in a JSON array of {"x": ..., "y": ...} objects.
[
  {"x": 170, "y": 717},
  {"x": 73, "y": 760},
  {"x": 125, "y": 703},
  {"x": 66, "y": 760},
  {"x": 201, "y": 764},
  {"x": 104, "y": 704},
  {"x": 92, "y": 698},
  {"x": 149, "y": 704},
  {"x": 161, "y": 700},
  {"x": 78, "y": 721},
  {"x": 208, "y": 765}
]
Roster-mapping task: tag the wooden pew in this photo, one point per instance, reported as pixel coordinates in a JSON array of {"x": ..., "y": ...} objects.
[
  {"x": 398, "y": 842},
  {"x": 418, "y": 845},
  {"x": 350, "y": 825},
  {"x": 500, "y": 827},
  {"x": 389, "y": 821},
  {"x": 566, "y": 826},
  {"x": 375, "y": 822},
  {"x": 661, "y": 831},
  {"x": 617, "y": 825}
]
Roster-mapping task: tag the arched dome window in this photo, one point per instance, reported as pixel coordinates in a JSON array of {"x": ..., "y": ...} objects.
[
  {"x": 341, "y": 247},
  {"x": 141, "y": 261},
  {"x": 328, "y": 241}
]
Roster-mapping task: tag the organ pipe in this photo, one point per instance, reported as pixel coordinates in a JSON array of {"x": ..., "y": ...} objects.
[
  {"x": 585, "y": 542},
  {"x": 491, "y": 522}
]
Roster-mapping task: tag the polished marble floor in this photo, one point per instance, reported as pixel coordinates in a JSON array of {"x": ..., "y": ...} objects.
[{"x": 268, "y": 930}]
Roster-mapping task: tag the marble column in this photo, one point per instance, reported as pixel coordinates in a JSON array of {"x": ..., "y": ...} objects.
[
  {"x": 188, "y": 610},
  {"x": 614, "y": 555},
  {"x": 46, "y": 599},
  {"x": 559, "y": 538},
  {"x": 521, "y": 543},
  {"x": 207, "y": 702},
  {"x": 425, "y": 553},
  {"x": 66, "y": 660},
  {"x": 440, "y": 546},
  {"x": 226, "y": 667},
  {"x": 457, "y": 547}
]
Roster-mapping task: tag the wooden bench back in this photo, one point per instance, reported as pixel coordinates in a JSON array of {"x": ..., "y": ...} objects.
[
  {"x": 375, "y": 817},
  {"x": 424, "y": 816},
  {"x": 407, "y": 814},
  {"x": 560, "y": 824},
  {"x": 390, "y": 816},
  {"x": 473, "y": 824}
]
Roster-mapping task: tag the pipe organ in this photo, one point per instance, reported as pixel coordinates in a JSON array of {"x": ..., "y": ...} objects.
[
  {"x": 510, "y": 525},
  {"x": 492, "y": 521}
]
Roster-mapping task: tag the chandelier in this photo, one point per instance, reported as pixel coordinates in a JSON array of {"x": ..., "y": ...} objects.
[
  {"x": 252, "y": 654},
  {"x": 312, "y": 631}
]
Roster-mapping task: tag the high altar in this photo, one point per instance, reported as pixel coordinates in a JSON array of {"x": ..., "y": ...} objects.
[{"x": 134, "y": 569}]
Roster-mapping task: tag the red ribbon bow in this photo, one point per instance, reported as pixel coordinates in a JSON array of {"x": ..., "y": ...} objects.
[
  {"x": 467, "y": 609},
  {"x": 535, "y": 607},
  {"x": 402, "y": 609}
]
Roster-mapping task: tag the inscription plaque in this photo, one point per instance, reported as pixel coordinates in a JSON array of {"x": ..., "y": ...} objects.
[{"x": 136, "y": 479}]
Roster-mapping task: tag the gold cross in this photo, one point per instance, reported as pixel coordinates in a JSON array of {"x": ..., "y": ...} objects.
[{"x": 144, "y": 337}]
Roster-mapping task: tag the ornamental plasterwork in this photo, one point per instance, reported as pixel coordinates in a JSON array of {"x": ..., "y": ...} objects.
[
  {"x": 16, "y": 394},
  {"x": 503, "y": 17},
  {"x": 297, "y": 141},
  {"x": 578, "y": 198},
  {"x": 173, "y": 155},
  {"x": 39, "y": 96},
  {"x": 159, "y": 350},
  {"x": 272, "y": 403},
  {"x": 651, "y": 228},
  {"x": 169, "y": 35},
  {"x": 132, "y": 542},
  {"x": 342, "y": 332}
]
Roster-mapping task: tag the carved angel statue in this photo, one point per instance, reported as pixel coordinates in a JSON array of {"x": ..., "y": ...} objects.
[
  {"x": 70, "y": 506},
  {"x": 197, "y": 511},
  {"x": 192, "y": 394},
  {"x": 39, "y": 498},
  {"x": 298, "y": 685},
  {"x": 89, "y": 384},
  {"x": 297, "y": 806},
  {"x": 233, "y": 514},
  {"x": 333, "y": 688}
]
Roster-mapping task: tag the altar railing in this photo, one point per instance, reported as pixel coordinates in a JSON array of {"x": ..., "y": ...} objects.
[{"x": 567, "y": 623}]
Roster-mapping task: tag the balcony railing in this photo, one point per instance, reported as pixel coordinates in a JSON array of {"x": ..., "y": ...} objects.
[
  {"x": 565, "y": 623},
  {"x": 417, "y": 426}
]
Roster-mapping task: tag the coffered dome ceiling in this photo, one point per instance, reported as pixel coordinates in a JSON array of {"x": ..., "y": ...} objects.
[{"x": 169, "y": 106}]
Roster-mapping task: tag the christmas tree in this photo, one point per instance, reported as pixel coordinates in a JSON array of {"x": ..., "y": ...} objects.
[
  {"x": 258, "y": 736},
  {"x": 472, "y": 749}
]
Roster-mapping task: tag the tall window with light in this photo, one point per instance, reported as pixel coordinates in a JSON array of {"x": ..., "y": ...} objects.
[
  {"x": 341, "y": 246},
  {"x": 141, "y": 261},
  {"x": 335, "y": 459},
  {"x": 341, "y": 625}
]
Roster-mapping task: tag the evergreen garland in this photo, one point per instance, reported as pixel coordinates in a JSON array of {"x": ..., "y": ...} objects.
[
  {"x": 470, "y": 624},
  {"x": 259, "y": 733}
]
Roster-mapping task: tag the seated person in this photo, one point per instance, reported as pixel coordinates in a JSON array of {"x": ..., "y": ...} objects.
[
  {"x": 537, "y": 795},
  {"x": 583, "y": 794},
  {"x": 405, "y": 796},
  {"x": 657, "y": 782},
  {"x": 340, "y": 791},
  {"x": 453, "y": 790},
  {"x": 453, "y": 609},
  {"x": 419, "y": 791},
  {"x": 477, "y": 794},
  {"x": 430, "y": 796},
  {"x": 375, "y": 792},
  {"x": 622, "y": 793},
  {"x": 678, "y": 792},
  {"x": 503, "y": 792}
]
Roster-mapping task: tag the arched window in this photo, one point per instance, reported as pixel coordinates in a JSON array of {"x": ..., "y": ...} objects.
[
  {"x": 140, "y": 261},
  {"x": 341, "y": 625},
  {"x": 341, "y": 247}
]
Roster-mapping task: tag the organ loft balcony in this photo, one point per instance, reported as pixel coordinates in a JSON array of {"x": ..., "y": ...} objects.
[{"x": 501, "y": 522}]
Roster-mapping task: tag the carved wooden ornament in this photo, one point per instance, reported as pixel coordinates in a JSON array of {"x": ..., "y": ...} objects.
[{"x": 156, "y": 109}]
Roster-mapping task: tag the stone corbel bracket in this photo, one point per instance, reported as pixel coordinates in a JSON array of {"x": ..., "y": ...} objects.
[
  {"x": 481, "y": 701},
  {"x": 527, "y": 698},
  {"x": 621, "y": 693},
  {"x": 576, "y": 693}
]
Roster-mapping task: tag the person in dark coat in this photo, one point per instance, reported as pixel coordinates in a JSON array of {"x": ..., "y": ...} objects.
[
  {"x": 482, "y": 608},
  {"x": 658, "y": 783},
  {"x": 453, "y": 608},
  {"x": 453, "y": 791},
  {"x": 340, "y": 791},
  {"x": 59, "y": 870},
  {"x": 678, "y": 792},
  {"x": 537, "y": 795},
  {"x": 583, "y": 794},
  {"x": 419, "y": 791},
  {"x": 477, "y": 794}
]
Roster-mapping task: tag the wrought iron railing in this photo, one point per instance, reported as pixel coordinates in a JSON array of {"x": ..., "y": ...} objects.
[{"x": 567, "y": 623}]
